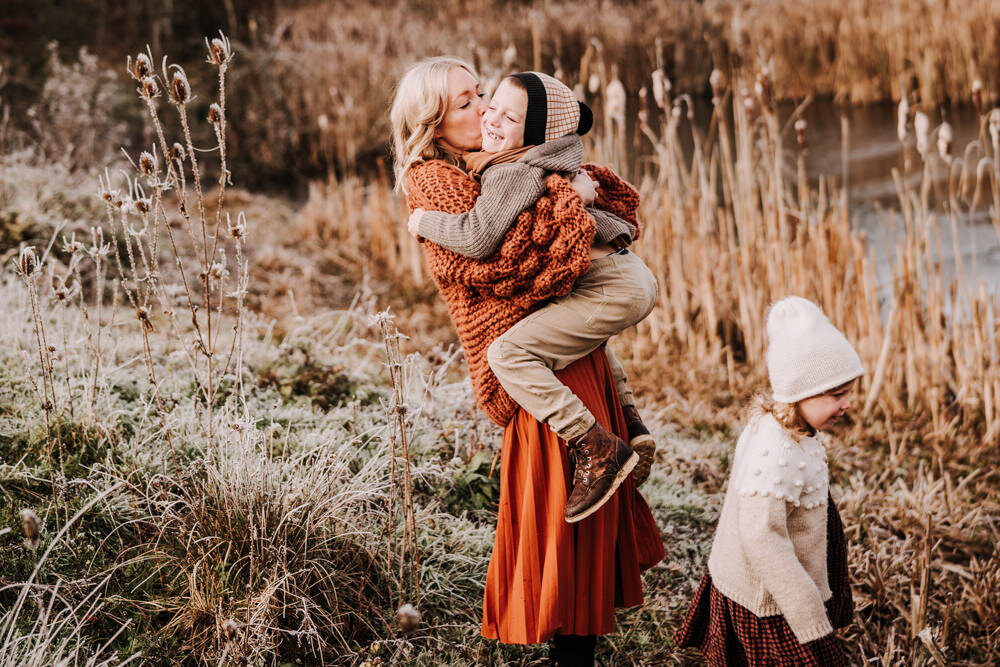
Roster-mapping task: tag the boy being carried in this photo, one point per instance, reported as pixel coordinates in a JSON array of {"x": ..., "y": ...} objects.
[{"x": 531, "y": 130}]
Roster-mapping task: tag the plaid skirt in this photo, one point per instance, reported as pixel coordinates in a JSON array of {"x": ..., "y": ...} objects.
[{"x": 728, "y": 634}]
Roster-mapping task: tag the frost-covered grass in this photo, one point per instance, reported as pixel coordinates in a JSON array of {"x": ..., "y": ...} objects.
[{"x": 268, "y": 540}]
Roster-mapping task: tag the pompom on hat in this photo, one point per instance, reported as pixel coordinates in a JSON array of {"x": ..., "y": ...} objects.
[
  {"x": 553, "y": 110},
  {"x": 806, "y": 354}
]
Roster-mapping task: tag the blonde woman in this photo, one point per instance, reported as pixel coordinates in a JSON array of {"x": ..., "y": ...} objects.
[{"x": 547, "y": 579}]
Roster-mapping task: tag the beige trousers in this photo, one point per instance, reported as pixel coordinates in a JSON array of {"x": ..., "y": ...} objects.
[{"x": 618, "y": 292}]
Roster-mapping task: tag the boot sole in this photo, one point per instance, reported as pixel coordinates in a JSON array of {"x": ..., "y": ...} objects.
[{"x": 623, "y": 472}]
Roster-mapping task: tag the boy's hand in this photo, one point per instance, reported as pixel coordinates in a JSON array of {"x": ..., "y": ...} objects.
[
  {"x": 413, "y": 224},
  {"x": 586, "y": 186}
]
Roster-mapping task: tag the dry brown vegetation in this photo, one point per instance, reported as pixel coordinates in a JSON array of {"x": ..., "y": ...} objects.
[
  {"x": 188, "y": 445},
  {"x": 334, "y": 91},
  {"x": 735, "y": 227}
]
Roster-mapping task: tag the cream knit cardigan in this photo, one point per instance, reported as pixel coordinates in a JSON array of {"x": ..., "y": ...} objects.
[{"x": 769, "y": 553}]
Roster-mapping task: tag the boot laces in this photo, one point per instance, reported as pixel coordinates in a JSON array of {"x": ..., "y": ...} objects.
[{"x": 583, "y": 463}]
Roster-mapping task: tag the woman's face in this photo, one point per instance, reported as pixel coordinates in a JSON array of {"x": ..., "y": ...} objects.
[
  {"x": 503, "y": 122},
  {"x": 460, "y": 125}
]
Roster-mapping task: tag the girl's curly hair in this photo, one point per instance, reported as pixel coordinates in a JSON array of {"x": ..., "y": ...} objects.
[{"x": 786, "y": 414}]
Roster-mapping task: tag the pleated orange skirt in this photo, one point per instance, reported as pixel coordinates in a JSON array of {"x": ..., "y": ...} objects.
[{"x": 549, "y": 577}]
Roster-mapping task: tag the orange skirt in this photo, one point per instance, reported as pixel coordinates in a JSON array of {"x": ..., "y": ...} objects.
[{"x": 549, "y": 577}]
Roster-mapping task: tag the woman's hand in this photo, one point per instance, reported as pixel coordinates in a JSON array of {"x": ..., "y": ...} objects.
[
  {"x": 586, "y": 186},
  {"x": 413, "y": 224}
]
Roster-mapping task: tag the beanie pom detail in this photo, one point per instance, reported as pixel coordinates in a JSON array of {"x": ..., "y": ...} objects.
[{"x": 586, "y": 119}]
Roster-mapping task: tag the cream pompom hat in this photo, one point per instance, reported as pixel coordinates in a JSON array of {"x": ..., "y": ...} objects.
[{"x": 806, "y": 354}]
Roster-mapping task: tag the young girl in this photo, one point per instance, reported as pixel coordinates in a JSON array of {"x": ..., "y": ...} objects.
[
  {"x": 777, "y": 585},
  {"x": 531, "y": 130}
]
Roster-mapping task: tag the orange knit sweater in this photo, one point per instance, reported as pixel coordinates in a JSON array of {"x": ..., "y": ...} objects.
[{"x": 541, "y": 257}]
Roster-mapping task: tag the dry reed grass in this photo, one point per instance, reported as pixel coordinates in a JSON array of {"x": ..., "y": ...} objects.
[
  {"x": 735, "y": 225},
  {"x": 337, "y": 65}
]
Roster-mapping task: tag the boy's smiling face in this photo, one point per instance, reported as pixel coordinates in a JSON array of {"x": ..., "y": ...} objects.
[{"x": 503, "y": 122}]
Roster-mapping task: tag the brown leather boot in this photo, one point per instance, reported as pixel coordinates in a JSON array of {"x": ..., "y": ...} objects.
[
  {"x": 603, "y": 461},
  {"x": 641, "y": 442}
]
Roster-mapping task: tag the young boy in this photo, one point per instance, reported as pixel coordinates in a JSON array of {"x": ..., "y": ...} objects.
[{"x": 532, "y": 129}]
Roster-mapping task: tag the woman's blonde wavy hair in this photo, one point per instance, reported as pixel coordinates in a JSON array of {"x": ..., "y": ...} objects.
[{"x": 417, "y": 110}]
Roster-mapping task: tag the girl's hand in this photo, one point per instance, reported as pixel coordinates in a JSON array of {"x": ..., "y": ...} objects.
[
  {"x": 586, "y": 186},
  {"x": 413, "y": 224}
]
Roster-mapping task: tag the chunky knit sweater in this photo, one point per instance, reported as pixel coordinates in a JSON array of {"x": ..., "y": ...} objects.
[
  {"x": 540, "y": 258},
  {"x": 769, "y": 553},
  {"x": 507, "y": 190}
]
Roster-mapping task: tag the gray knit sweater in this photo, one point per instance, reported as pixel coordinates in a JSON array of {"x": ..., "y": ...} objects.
[{"x": 507, "y": 190}]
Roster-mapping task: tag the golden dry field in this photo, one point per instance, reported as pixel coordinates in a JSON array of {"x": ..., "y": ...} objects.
[{"x": 235, "y": 423}]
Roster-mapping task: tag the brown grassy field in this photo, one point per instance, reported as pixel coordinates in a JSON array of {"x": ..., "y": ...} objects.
[{"x": 201, "y": 408}]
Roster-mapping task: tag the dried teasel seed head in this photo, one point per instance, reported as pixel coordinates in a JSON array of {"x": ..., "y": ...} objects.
[
  {"x": 219, "y": 51},
  {"x": 143, "y": 315},
  {"x": 27, "y": 261},
  {"x": 217, "y": 271},
  {"x": 180, "y": 89},
  {"x": 237, "y": 230},
  {"x": 141, "y": 68},
  {"x": 32, "y": 528},
  {"x": 408, "y": 617},
  {"x": 147, "y": 163},
  {"x": 214, "y": 114},
  {"x": 112, "y": 198},
  {"x": 149, "y": 88},
  {"x": 177, "y": 152},
  {"x": 142, "y": 205}
]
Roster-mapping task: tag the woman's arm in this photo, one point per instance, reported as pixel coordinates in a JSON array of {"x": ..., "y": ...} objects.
[
  {"x": 436, "y": 185},
  {"x": 615, "y": 195}
]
